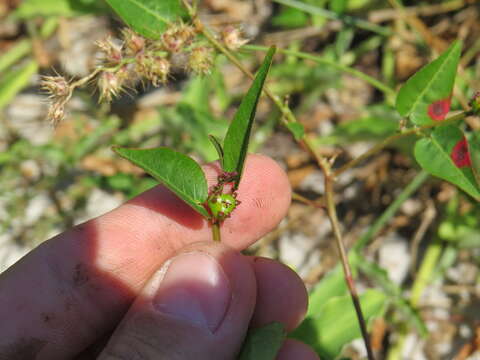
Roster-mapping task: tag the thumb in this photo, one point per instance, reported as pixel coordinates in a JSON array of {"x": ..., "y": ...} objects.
[{"x": 197, "y": 306}]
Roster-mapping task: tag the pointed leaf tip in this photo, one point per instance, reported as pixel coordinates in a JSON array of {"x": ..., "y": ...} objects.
[
  {"x": 236, "y": 141},
  {"x": 425, "y": 97}
]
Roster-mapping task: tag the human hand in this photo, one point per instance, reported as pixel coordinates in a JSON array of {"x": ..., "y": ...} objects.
[{"x": 147, "y": 272}]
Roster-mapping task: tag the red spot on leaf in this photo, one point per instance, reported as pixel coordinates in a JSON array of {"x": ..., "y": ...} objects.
[
  {"x": 439, "y": 109},
  {"x": 460, "y": 155}
]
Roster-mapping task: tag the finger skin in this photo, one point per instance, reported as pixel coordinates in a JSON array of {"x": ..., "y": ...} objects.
[
  {"x": 147, "y": 333},
  {"x": 296, "y": 350},
  {"x": 75, "y": 287},
  {"x": 281, "y": 294},
  {"x": 281, "y": 297}
]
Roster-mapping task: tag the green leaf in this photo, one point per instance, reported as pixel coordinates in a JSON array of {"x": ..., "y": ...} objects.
[
  {"x": 218, "y": 147},
  {"x": 445, "y": 154},
  {"x": 17, "y": 52},
  {"x": 34, "y": 8},
  {"x": 14, "y": 81},
  {"x": 297, "y": 130},
  {"x": 338, "y": 6},
  {"x": 263, "y": 343},
  {"x": 235, "y": 145},
  {"x": 290, "y": 18},
  {"x": 394, "y": 293},
  {"x": 425, "y": 97},
  {"x": 332, "y": 285},
  {"x": 336, "y": 323},
  {"x": 176, "y": 171},
  {"x": 474, "y": 149},
  {"x": 148, "y": 17}
]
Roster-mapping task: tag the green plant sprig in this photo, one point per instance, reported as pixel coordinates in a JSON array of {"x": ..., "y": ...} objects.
[{"x": 184, "y": 176}]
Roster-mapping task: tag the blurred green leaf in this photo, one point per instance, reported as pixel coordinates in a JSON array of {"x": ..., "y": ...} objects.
[
  {"x": 460, "y": 228},
  {"x": 176, "y": 171},
  {"x": 263, "y": 343},
  {"x": 34, "y": 8},
  {"x": 15, "y": 53},
  {"x": 297, "y": 130},
  {"x": 148, "y": 17},
  {"x": 121, "y": 181},
  {"x": 235, "y": 145},
  {"x": 338, "y": 6},
  {"x": 198, "y": 124},
  {"x": 445, "y": 154},
  {"x": 290, "y": 18},
  {"x": 425, "y": 97},
  {"x": 474, "y": 151},
  {"x": 14, "y": 81},
  {"x": 332, "y": 285},
  {"x": 335, "y": 324},
  {"x": 394, "y": 293}
]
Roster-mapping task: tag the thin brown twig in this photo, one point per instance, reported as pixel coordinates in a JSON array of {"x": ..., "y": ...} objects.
[
  {"x": 332, "y": 214},
  {"x": 319, "y": 204},
  {"x": 382, "y": 15},
  {"x": 427, "y": 220}
]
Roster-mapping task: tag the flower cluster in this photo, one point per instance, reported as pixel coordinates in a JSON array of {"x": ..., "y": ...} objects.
[
  {"x": 60, "y": 91},
  {"x": 131, "y": 59}
]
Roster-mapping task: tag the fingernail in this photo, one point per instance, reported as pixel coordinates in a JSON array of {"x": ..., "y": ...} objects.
[{"x": 195, "y": 289}]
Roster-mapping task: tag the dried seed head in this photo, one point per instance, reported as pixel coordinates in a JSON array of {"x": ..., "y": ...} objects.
[
  {"x": 112, "y": 53},
  {"x": 56, "y": 112},
  {"x": 201, "y": 60},
  {"x": 60, "y": 91},
  {"x": 159, "y": 71},
  {"x": 111, "y": 84},
  {"x": 56, "y": 86},
  {"x": 134, "y": 43},
  {"x": 233, "y": 38},
  {"x": 154, "y": 68},
  {"x": 177, "y": 37}
]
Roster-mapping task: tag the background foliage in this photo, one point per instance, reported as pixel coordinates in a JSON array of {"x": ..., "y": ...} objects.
[{"x": 414, "y": 238}]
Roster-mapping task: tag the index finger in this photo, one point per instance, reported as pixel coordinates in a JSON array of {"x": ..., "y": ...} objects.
[{"x": 74, "y": 288}]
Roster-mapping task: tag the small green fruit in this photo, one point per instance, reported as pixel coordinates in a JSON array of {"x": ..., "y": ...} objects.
[{"x": 221, "y": 205}]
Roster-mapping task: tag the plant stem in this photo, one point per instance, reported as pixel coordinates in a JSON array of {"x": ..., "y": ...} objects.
[
  {"x": 387, "y": 141},
  {"x": 332, "y": 214},
  {"x": 391, "y": 210},
  {"x": 216, "y": 232},
  {"x": 388, "y": 91},
  {"x": 286, "y": 112},
  {"x": 346, "y": 19}
]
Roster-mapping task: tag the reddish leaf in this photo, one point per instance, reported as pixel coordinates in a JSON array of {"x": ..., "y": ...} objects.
[
  {"x": 460, "y": 155},
  {"x": 439, "y": 109},
  {"x": 425, "y": 97},
  {"x": 445, "y": 153}
]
